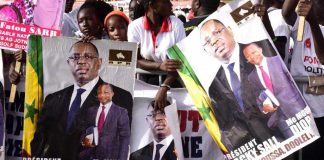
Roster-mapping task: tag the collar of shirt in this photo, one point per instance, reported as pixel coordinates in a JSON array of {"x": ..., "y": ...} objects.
[
  {"x": 107, "y": 108},
  {"x": 166, "y": 24},
  {"x": 235, "y": 58},
  {"x": 88, "y": 87},
  {"x": 166, "y": 142}
]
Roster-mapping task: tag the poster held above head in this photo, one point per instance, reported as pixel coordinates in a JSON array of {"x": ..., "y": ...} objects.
[
  {"x": 242, "y": 102},
  {"x": 20, "y": 18},
  {"x": 77, "y": 79}
]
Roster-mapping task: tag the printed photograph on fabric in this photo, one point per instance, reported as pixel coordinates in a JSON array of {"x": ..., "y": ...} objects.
[
  {"x": 78, "y": 84},
  {"x": 254, "y": 99},
  {"x": 153, "y": 134}
]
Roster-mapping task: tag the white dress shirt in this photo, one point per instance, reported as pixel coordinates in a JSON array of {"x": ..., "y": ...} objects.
[
  {"x": 235, "y": 58},
  {"x": 88, "y": 87},
  {"x": 166, "y": 142},
  {"x": 107, "y": 107}
]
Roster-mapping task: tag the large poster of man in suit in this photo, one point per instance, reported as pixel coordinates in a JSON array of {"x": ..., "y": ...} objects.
[
  {"x": 251, "y": 94},
  {"x": 76, "y": 74}
]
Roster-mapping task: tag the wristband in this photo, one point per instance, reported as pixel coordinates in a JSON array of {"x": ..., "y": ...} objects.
[{"x": 164, "y": 85}]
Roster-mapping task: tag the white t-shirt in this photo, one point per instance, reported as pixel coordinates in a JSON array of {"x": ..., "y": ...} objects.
[
  {"x": 172, "y": 31},
  {"x": 305, "y": 63},
  {"x": 280, "y": 28}
]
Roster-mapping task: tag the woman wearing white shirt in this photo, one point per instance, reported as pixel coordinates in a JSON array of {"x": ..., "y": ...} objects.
[{"x": 155, "y": 32}]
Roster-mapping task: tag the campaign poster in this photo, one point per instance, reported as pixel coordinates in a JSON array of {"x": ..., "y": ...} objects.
[
  {"x": 242, "y": 89},
  {"x": 20, "y": 18},
  {"x": 80, "y": 99},
  {"x": 155, "y": 133},
  {"x": 196, "y": 141}
]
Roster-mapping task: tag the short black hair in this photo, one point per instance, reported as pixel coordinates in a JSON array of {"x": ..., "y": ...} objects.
[
  {"x": 210, "y": 5},
  {"x": 139, "y": 10},
  {"x": 94, "y": 46},
  {"x": 146, "y": 4},
  {"x": 101, "y": 9},
  {"x": 106, "y": 84}
]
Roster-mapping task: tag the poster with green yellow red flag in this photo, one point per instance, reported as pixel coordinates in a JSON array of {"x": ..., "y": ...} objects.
[
  {"x": 34, "y": 86},
  {"x": 245, "y": 94},
  {"x": 67, "y": 82}
]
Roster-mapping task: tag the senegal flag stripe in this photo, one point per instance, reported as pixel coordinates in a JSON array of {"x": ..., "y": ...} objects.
[
  {"x": 198, "y": 95},
  {"x": 36, "y": 57},
  {"x": 34, "y": 88}
]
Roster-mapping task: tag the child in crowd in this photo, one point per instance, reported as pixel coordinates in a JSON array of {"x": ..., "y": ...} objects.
[{"x": 116, "y": 24}]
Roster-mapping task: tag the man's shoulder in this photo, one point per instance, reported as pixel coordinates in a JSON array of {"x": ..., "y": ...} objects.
[
  {"x": 195, "y": 21},
  {"x": 118, "y": 89},
  {"x": 61, "y": 92},
  {"x": 137, "y": 23},
  {"x": 145, "y": 151},
  {"x": 118, "y": 108}
]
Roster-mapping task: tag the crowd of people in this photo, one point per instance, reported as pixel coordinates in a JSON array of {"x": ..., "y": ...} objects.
[{"x": 152, "y": 25}]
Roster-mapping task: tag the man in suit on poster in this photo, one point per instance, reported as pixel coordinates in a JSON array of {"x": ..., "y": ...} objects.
[
  {"x": 234, "y": 104},
  {"x": 111, "y": 138},
  {"x": 162, "y": 147},
  {"x": 63, "y": 115},
  {"x": 278, "y": 96}
]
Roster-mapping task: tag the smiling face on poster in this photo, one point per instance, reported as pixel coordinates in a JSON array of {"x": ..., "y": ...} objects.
[{"x": 258, "y": 110}]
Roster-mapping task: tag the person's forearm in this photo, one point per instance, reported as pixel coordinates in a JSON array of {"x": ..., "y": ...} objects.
[
  {"x": 318, "y": 38},
  {"x": 267, "y": 25},
  {"x": 171, "y": 77},
  {"x": 148, "y": 65},
  {"x": 288, "y": 11}
]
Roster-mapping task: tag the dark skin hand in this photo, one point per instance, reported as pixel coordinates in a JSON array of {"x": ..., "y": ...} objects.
[
  {"x": 88, "y": 38},
  {"x": 305, "y": 9},
  {"x": 20, "y": 56},
  {"x": 261, "y": 11},
  {"x": 161, "y": 95}
]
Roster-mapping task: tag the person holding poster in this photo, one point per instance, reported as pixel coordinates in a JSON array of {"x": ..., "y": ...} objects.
[
  {"x": 307, "y": 60},
  {"x": 63, "y": 115},
  {"x": 155, "y": 32},
  {"x": 231, "y": 94},
  {"x": 111, "y": 138},
  {"x": 278, "y": 95},
  {"x": 162, "y": 147}
]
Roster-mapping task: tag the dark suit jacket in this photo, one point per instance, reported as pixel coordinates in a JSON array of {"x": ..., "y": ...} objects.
[
  {"x": 283, "y": 87},
  {"x": 51, "y": 138},
  {"x": 146, "y": 153},
  {"x": 237, "y": 126},
  {"x": 114, "y": 138}
]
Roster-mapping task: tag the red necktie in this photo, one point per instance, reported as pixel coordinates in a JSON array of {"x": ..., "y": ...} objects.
[
  {"x": 101, "y": 119},
  {"x": 266, "y": 79}
]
